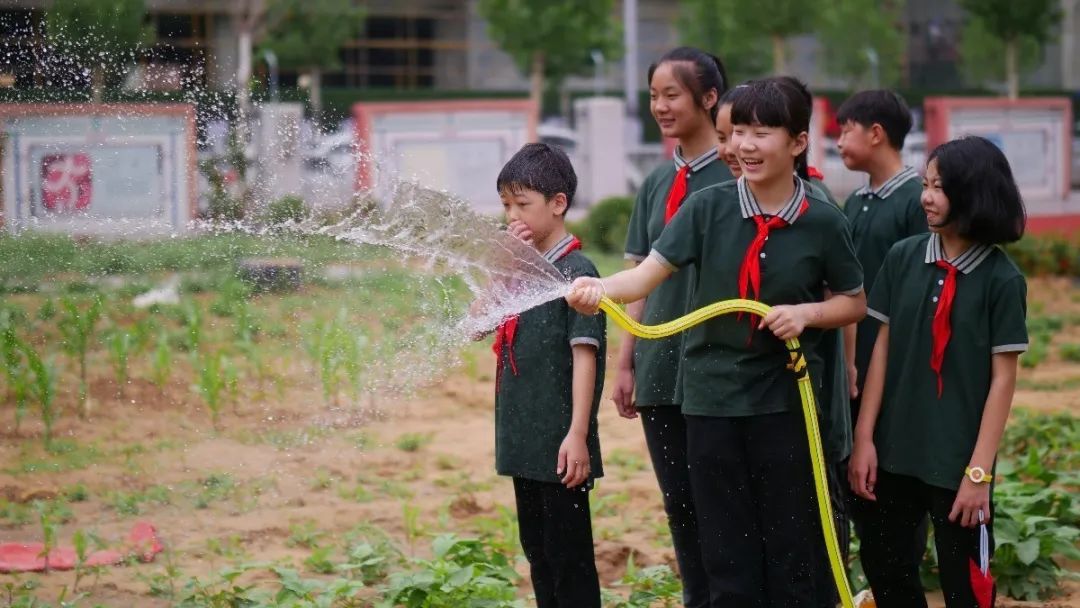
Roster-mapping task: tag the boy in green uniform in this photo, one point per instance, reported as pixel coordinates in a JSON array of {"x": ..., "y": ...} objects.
[
  {"x": 548, "y": 383},
  {"x": 941, "y": 379},
  {"x": 874, "y": 125}
]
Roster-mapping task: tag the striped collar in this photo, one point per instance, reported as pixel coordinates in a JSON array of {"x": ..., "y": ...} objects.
[
  {"x": 750, "y": 207},
  {"x": 965, "y": 262},
  {"x": 559, "y": 249},
  {"x": 885, "y": 190},
  {"x": 698, "y": 163}
]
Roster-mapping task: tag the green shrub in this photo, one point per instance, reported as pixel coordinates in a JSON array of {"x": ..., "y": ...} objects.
[
  {"x": 1046, "y": 255},
  {"x": 286, "y": 209},
  {"x": 604, "y": 229},
  {"x": 1070, "y": 352}
]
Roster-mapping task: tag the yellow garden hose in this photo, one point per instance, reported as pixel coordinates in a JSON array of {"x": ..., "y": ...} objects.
[{"x": 806, "y": 392}]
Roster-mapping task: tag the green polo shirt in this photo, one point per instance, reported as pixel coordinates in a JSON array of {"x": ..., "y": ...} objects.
[
  {"x": 835, "y": 400},
  {"x": 880, "y": 218},
  {"x": 656, "y": 362},
  {"x": 730, "y": 369},
  {"x": 918, "y": 433},
  {"x": 534, "y": 407}
]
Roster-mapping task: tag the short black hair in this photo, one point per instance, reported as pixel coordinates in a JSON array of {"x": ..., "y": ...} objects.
[
  {"x": 878, "y": 106},
  {"x": 539, "y": 167},
  {"x": 707, "y": 73},
  {"x": 779, "y": 101},
  {"x": 732, "y": 94},
  {"x": 984, "y": 201}
]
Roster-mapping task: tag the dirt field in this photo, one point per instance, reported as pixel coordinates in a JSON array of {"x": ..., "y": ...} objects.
[{"x": 285, "y": 475}]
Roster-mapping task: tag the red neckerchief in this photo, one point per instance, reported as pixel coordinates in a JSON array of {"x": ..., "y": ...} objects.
[
  {"x": 676, "y": 194},
  {"x": 504, "y": 335},
  {"x": 940, "y": 329},
  {"x": 813, "y": 173},
  {"x": 750, "y": 269}
]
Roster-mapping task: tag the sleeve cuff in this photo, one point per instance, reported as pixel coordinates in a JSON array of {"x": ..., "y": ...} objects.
[
  {"x": 877, "y": 315},
  {"x": 634, "y": 257},
  {"x": 593, "y": 342},
  {"x": 851, "y": 292},
  {"x": 656, "y": 255},
  {"x": 1008, "y": 348}
]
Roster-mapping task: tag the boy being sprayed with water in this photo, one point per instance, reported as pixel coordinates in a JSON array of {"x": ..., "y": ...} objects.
[{"x": 550, "y": 373}]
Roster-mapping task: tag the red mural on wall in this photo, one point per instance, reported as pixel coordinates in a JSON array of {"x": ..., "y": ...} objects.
[{"x": 66, "y": 182}]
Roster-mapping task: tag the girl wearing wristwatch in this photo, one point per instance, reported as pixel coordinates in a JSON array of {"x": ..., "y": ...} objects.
[{"x": 939, "y": 388}]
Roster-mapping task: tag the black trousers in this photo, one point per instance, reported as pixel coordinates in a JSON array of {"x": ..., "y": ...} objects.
[
  {"x": 665, "y": 435},
  {"x": 555, "y": 528},
  {"x": 761, "y": 539},
  {"x": 852, "y": 512},
  {"x": 902, "y": 503}
]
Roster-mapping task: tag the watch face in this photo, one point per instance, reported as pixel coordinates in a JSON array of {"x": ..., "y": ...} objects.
[{"x": 977, "y": 475}]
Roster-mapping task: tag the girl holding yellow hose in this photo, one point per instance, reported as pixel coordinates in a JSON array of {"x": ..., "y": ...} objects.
[{"x": 764, "y": 237}]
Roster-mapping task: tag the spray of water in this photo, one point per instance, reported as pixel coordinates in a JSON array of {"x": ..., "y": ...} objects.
[{"x": 505, "y": 275}]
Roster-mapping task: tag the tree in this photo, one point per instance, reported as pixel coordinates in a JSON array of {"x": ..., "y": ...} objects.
[
  {"x": 739, "y": 30},
  {"x": 552, "y": 39},
  {"x": 307, "y": 35},
  {"x": 1021, "y": 28},
  {"x": 863, "y": 41},
  {"x": 102, "y": 36},
  {"x": 715, "y": 26}
]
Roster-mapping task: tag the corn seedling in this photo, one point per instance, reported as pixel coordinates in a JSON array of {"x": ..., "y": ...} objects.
[
  {"x": 43, "y": 388},
  {"x": 48, "y": 530},
  {"x": 413, "y": 528},
  {"x": 192, "y": 321},
  {"x": 16, "y": 371},
  {"x": 210, "y": 384},
  {"x": 77, "y": 328},
  {"x": 79, "y": 540},
  {"x": 161, "y": 361},
  {"x": 120, "y": 345},
  {"x": 412, "y": 442},
  {"x": 142, "y": 332},
  {"x": 337, "y": 352},
  {"x": 47, "y": 310}
]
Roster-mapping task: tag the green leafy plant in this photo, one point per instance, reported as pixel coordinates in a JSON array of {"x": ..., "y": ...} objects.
[
  {"x": 47, "y": 310},
  {"x": 77, "y": 329},
  {"x": 43, "y": 389},
  {"x": 120, "y": 345},
  {"x": 1070, "y": 352},
  {"x": 461, "y": 573},
  {"x": 369, "y": 563},
  {"x": 1032, "y": 541},
  {"x": 192, "y": 322},
  {"x": 16, "y": 370},
  {"x": 161, "y": 361},
  {"x": 412, "y": 442},
  {"x": 653, "y": 586},
  {"x": 48, "y": 530},
  {"x": 338, "y": 352},
  {"x": 210, "y": 383}
]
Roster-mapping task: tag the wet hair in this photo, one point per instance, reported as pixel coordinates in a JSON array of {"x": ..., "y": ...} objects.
[
  {"x": 704, "y": 73},
  {"x": 985, "y": 204},
  {"x": 777, "y": 102},
  {"x": 878, "y": 106},
  {"x": 541, "y": 168}
]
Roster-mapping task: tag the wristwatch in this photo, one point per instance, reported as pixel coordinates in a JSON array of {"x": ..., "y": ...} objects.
[{"x": 978, "y": 475}]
